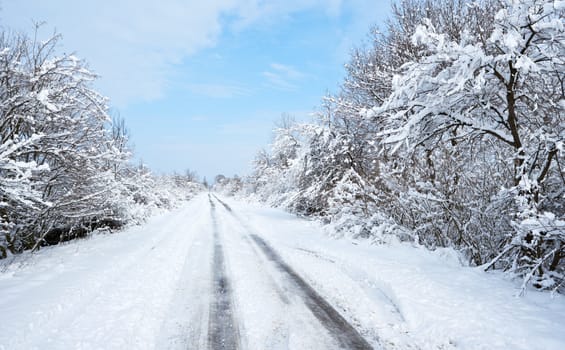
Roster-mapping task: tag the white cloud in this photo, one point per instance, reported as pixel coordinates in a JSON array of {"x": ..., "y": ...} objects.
[
  {"x": 218, "y": 90},
  {"x": 134, "y": 44},
  {"x": 288, "y": 71},
  {"x": 283, "y": 77}
]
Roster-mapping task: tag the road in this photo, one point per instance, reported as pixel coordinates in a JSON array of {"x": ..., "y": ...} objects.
[
  {"x": 224, "y": 333},
  {"x": 256, "y": 300},
  {"x": 196, "y": 278},
  {"x": 218, "y": 273}
]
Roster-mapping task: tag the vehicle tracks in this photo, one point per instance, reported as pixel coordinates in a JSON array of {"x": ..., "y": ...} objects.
[
  {"x": 344, "y": 333},
  {"x": 222, "y": 328},
  {"x": 339, "y": 328}
]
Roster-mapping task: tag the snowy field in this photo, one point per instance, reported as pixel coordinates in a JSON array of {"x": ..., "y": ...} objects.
[{"x": 154, "y": 286}]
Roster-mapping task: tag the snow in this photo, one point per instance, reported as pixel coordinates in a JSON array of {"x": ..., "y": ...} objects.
[
  {"x": 43, "y": 97},
  {"x": 150, "y": 287},
  {"x": 273, "y": 317},
  {"x": 109, "y": 291},
  {"x": 409, "y": 296}
]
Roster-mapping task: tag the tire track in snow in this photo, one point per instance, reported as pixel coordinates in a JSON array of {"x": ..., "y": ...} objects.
[
  {"x": 228, "y": 208},
  {"x": 344, "y": 333},
  {"x": 222, "y": 328}
]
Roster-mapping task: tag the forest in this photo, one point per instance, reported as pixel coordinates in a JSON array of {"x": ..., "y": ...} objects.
[
  {"x": 447, "y": 131},
  {"x": 65, "y": 162}
]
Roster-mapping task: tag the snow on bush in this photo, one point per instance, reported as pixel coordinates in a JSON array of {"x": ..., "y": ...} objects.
[
  {"x": 64, "y": 167},
  {"x": 448, "y": 131}
]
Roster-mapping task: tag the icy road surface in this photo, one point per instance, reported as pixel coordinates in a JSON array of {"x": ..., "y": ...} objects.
[{"x": 222, "y": 274}]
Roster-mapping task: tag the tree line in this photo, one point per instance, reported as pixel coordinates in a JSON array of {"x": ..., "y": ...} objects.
[
  {"x": 448, "y": 131},
  {"x": 65, "y": 165}
]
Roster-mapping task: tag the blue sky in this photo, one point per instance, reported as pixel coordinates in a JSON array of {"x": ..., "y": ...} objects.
[{"x": 201, "y": 83}]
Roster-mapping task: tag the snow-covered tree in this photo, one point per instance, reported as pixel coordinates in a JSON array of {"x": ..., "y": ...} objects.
[
  {"x": 448, "y": 130},
  {"x": 509, "y": 90},
  {"x": 63, "y": 162}
]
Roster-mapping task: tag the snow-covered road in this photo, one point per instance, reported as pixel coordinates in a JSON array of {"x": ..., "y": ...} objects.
[{"x": 218, "y": 273}]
